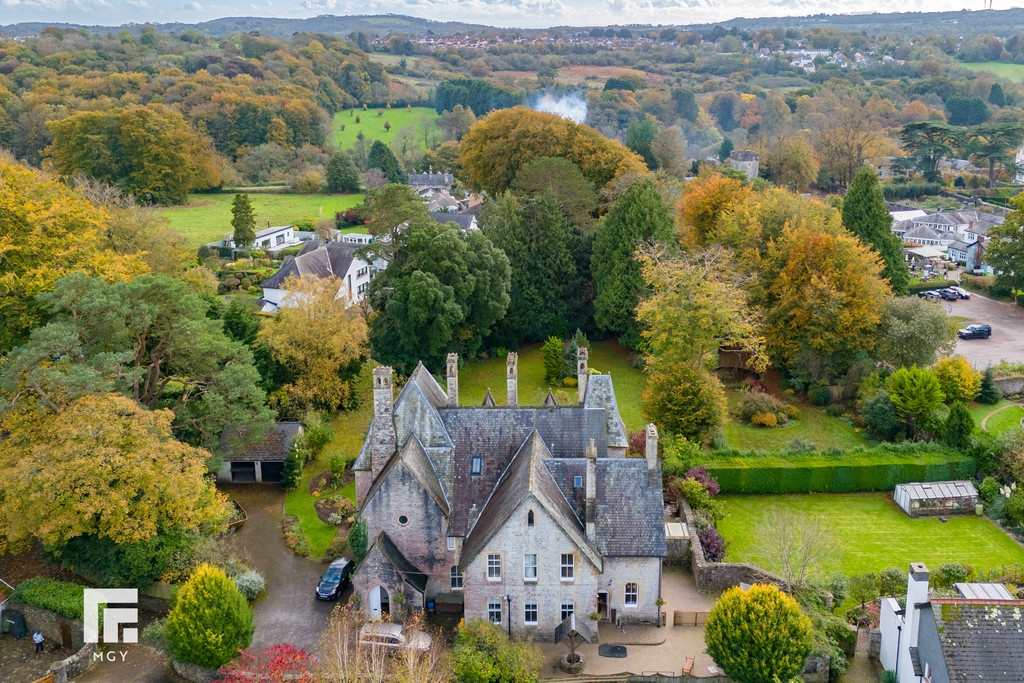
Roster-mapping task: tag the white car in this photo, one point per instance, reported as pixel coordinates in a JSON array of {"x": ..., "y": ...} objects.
[{"x": 386, "y": 634}]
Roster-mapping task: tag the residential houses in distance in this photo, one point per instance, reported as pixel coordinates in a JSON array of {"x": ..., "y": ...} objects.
[
  {"x": 270, "y": 239},
  {"x": 961, "y": 233},
  {"x": 521, "y": 515}
]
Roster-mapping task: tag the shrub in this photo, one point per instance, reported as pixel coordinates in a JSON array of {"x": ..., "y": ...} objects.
[
  {"x": 569, "y": 381},
  {"x": 950, "y": 573},
  {"x": 1015, "y": 507},
  {"x": 357, "y": 540},
  {"x": 243, "y": 254},
  {"x": 715, "y": 547},
  {"x": 211, "y": 620},
  {"x": 834, "y": 410},
  {"x": 58, "y": 596},
  {"x": 988, "y": 490},
  {"x": 204, "y": 252},
  {"x": 764, "y": 420},
  {"x": 678, "y": 456},
  {"x": 792, "y": 412},
  {"x": 697, "y": 495},
  {"x": 758, "y": 403},
  {"x": 892, "y": 581},
  {"x": 155, "y": 635},
  {"x": 338, "y": 463},
  {"x": 700, "y": 474},
  {"x": 250, "y": 583},
  {"x": 232, "y": 282},
  {"x": 637, "y": 440},
  {"x": 819, "y": 394},
  {"x": 997, "y": 508},
  {"x": 318, "y": 435},
  {"x": 881, "y": 417},
  {"x": 337, "y": 548}
]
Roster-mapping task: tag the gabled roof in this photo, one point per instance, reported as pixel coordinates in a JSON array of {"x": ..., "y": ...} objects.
[
  {"x": 526, "y": 476},
  {"x": 981, "y": 640},
  {"x": 922, "y": 232},
  {"x": 317, "y": 258},
  {"x": 428, "y": 386},
  {"x": 464, "y": 221},
  {"x": 549, "y": 400},
  {"x": 601, "y": 394},
  {"x": 274, "y": 446},
  {"x": 488, "y": 400},
  {"x": 414, "y": 458},
  {"x": 406, "y": 569}
]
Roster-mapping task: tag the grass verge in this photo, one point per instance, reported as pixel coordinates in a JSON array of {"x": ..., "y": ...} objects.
[{"x": 873, "y": 533}]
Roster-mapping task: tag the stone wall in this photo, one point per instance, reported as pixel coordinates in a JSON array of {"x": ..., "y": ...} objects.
[
  {"x": 50, "y": 624},
  {"x": 193, "y": 672},
  {"x": 678, "y": 552},
  {"x": 1010, "y": 385},
  {"x": 715, "y": 577},
  {"x": 75, "y": 665}
]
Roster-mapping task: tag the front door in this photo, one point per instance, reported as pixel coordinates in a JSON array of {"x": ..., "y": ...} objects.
[
  {"x": 379, "y": 603},
  {"x": 602, "y": 604}
]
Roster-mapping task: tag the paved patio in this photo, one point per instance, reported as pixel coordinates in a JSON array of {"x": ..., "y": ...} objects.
[{"x": 648, "y": 648}]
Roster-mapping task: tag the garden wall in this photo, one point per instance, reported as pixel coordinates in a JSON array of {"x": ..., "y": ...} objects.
[
  {"x": 1010, "y": 386},
  {"x": 777, "y": 475},
  {"x": 52, "y": 625}
]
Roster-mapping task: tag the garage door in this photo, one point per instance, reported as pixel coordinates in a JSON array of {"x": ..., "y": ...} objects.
[
  {"x": 243, "y": 472},
  {"x": 273, "y": 472}
]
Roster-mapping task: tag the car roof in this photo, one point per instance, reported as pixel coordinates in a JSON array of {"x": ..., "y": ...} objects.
[
  {"x": 381, "y": 628},
  {"x": 340, "y": 562}
]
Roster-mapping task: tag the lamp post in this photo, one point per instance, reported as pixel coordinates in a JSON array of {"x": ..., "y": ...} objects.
[{"x": 508, "y": 614}]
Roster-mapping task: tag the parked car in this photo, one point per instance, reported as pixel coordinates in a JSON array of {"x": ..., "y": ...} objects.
[
  {"x": 960, "y": 292},
  {"x": 334, "y": 580},
  {"x": 948, "y": 294},
  {"x": 393, "y": 635},
  {"x": 930, "y": 294},
  {"x": 975, "y": 332}
]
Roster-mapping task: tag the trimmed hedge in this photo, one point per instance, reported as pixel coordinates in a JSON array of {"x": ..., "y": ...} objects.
[
  {"x": 877, "y": 469},
  {"x": 910, "y": 190},
  {"x": 58, "y": 596},
  {"x": 916, "y": 287}
]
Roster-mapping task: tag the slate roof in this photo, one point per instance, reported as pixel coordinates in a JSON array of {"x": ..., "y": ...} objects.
[
  {"x": 922, "y": 232},
  {"x": 436, "y": 179},
  {"x": 414, "y": 458},
  {"x": 273, "y": 448},
  {"x": 317, "y": 258},
  {"x": 464, "y": 221},
  {"x": 526, "y": 475},
  {"x": 600, "y": 394},
  {"x": 981, "y": 640},
  {"x": 959, "y": 246},
  {"x": 406, "y": 569}
]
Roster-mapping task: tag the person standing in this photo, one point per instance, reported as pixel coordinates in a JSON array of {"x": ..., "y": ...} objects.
[{"x": 37, "y": 638}]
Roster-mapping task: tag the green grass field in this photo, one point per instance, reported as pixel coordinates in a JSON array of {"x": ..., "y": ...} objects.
[
  {"x": 1005, "y": 420},
  {"x": 372, "y": 126},
  {"x": 605, "y": 357},
  {"x": 813, "y": 425},
  {"x": 873, "y": 533},
  {"x": 981, "y": 410},
  {"x": 1011, "y": 72},
  {"x": 207, "y": 217}
]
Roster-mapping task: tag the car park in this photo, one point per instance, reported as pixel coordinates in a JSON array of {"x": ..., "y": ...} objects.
[
  {"x": 386, "y": 634},
  {"x": 975, "y": 332},
  {"x": 334, "y": 580},
  {"x": 960, "y": 292},
  {"x": 948, "y": 294},
  {"x": 930, "y": 294}
]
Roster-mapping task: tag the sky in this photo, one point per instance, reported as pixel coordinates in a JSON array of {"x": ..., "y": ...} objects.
[{"x": 504, "y": 13}]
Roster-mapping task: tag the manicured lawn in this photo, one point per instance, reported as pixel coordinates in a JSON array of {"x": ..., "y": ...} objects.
[
  {"x": 605, "y": 357},
  {"x": 873, "y": 533},
  {"x": 372, "y": 126},
  {"x": 813, "y": 425},
  {"x": 980, "y": 410},
  {"x": 349, "y": 432},
  {"x": 1012, "y": 72},
  {"x": 1004, "y": 420},
  {"x": 207, "y": 217}
]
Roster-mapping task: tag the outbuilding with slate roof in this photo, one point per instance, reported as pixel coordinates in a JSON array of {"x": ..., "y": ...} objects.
[
  {"x": 487, "y": 503},
  {"x": 256, "y": 463}
]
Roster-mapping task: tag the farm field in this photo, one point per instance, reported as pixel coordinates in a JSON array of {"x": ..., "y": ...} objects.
[
  {"x": 1012, "y": 72},
  {"x": 207, "y": 217},
  {"x": 372, "y": 125},
  {"x": 873, "y": 533}
]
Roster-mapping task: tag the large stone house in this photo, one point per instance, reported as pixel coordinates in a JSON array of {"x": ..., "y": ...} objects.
[{"x": 529, "y": 513}]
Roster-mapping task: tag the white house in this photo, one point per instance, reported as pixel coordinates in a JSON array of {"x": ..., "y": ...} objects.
[
  {"x": 270, "y": 239},
  {"x": 320, "y": 259}
]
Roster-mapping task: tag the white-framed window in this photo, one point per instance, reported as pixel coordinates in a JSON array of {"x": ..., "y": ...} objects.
[
  {"x": 451, "y": 543},
  {"x": 631, "y": 595},
  {"x": 530, "y": 612},
  {"x": 494, "y": 611},
  {"x": 476, "y": 466},
  {"x": 568, "y": 607},
  {"x": 568, "y": 567},
  {"x": 455, "y": 578},
  {"x": 493, "y": 567},
  {"x": 530, "y": 567}
]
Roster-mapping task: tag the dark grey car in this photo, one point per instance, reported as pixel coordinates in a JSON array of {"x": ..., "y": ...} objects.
[{"x": 334, "y": 580}]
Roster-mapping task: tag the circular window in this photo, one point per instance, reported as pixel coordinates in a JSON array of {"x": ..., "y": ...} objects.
[{"x": 403, "y": 520}]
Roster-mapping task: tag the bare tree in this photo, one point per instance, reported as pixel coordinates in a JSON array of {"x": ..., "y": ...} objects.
[
  {"x": 847, "y": 136},
  {"x": 795, "y": 546}
]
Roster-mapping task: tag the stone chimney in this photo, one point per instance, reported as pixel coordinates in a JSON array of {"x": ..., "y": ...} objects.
[
  {"x": 383, "y": 439},
  {"x": 651, "y": 455},
  {"x": 917, "y": 593},
  {"x": 591, "y": 491},
  {"x": 453, "y": 380},
  {"x": 512, "y": 378},
  {"x": 582, "y": 373}
]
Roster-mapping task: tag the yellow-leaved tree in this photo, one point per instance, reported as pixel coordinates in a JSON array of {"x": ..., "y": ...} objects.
[
  {"x": 317, "y": 335},
  {"x": 47, "y": 231},
  {"x": 958, "y": 380}
]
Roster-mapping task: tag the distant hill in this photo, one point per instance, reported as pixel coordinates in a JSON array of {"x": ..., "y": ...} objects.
[
  {"x": 381, "y": 24},
  {"x": 1000, "y": 22}
]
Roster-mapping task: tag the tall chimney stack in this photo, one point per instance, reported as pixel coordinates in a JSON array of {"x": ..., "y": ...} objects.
[
  {"x": 512, "y": 378},
  {"x": 582, "y": 373},
  {"x": 651, "y": 454},
  {"x": 591, "y": 491},
  {"x": 453, "y": 380},
  {"x": 383, "y": 439}
]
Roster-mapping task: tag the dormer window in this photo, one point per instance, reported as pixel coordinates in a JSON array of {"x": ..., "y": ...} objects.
[
  {"x": 577, "y": 482},
  {"x": 476, "y": 466}
]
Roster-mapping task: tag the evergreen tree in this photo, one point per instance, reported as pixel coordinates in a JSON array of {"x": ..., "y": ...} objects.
[
  {"x": 342, "y": 175},
  {"x": 243, "y": 220},
  {"x": 639, "y": 137},
  {"x": 211, "y": 620},
  {"x": 989, "y": 392},
  {"x": 865, "y": 215},
  {"x": 552, "y": 353},
  {"x": 958, "y": 426},
  {"x": 996, "y": 95},
  {"x": 639, "y": 216},
  {"x": 725, "y": 150},
  {"x": 240, "y": 324},
  {"x": 380, "y": 156}
]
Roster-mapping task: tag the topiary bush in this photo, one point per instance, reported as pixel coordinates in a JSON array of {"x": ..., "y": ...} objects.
[
  {"x": 250, "y": 583},
  {"x": 820, "y": 395},
  {"x": 211, "y": 620}
]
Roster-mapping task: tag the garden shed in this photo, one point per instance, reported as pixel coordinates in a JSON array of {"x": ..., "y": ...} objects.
[
  {"x": 256, "y": 463},
  {"x": 937, "y": 498}
]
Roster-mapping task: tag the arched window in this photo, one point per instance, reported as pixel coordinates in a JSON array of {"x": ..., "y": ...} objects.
[{"x": 529, "y": 518}]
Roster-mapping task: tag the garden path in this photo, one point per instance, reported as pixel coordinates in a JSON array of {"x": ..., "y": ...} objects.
[{"x": 998, "y": 410}]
